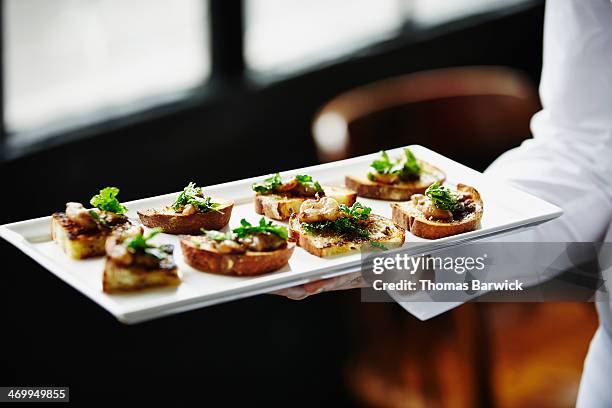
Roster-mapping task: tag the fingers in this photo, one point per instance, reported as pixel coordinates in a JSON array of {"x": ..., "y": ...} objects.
[
  {"x": 294, "y": 293},
  {"x": 302, "y": 291},
  {"x": 349, "y": 281},
  {"x": 312, "y": 288}
]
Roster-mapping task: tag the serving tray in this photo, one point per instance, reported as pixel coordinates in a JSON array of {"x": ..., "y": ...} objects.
[{"x": 505, "y": 209}]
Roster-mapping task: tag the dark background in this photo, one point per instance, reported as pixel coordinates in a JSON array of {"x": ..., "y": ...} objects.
[{"x": 265, "y": 349}]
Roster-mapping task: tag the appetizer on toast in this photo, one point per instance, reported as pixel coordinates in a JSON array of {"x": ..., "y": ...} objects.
[
  {"x": 396, "y": 179},
  {"x": 81, "y": 232},
  {"x": 191, "y": 212},
  {"x": 440, "y": 212},
  {"x": 278, "y": 199},
  {"x": 132, "y": 263},
  {"x": 245, "y": 251},
  {"x": 325, "y": 227}
]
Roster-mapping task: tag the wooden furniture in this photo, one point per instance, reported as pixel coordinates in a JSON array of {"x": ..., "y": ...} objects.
[{"x": 470, "y": 114}]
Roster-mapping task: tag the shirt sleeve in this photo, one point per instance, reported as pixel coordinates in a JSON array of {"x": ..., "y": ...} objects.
[{"x": 568, "y": 162}]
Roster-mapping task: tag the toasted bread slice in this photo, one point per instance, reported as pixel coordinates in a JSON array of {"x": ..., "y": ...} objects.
[
  {"x": 77, "y": 242},
  {"x": 250, "y": 263},
  {"x": 121, "y": 278},
  {"x": 400, "y": 191},
  {"x": 280, "y": 207},
  {"x": 382, "y": 230},
  {"x": 413, "y": 220},
  {"x": 176, "y": 223}
]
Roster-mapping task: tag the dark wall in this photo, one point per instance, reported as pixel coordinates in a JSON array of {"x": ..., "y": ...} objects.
[{"x": 265, "y": 347}]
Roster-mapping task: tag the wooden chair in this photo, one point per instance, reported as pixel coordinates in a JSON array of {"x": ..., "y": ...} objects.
[
  {"x": 469, "y": 114},
  {"x": 472, "y": 115}
]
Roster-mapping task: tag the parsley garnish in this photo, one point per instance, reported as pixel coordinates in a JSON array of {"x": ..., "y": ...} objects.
[
  {"x": 268, "y": 184},
  {"x": 218, "y": 235},
  {"x": 409, "y": 169},
  {"x": 378, "y": 245},
  {"x": 97, "y": 218},
  {"x": 442, "y": 197},
  {"x": 384, "y": 165},
  {"x": 346, "y": 226},
  {"x": 107, "y": 201},
  {"x": 140, "y": 242},
  {"x": 411, "y": 166},
  {"x": 303, "y": 178},
  {"x": 308, "y": 181},
  {"x": 247, "y": 229},
  {"x": 195, "y": 196},
  {"x": 272, "y": 183},
  {"x": 357, "y": 210}
]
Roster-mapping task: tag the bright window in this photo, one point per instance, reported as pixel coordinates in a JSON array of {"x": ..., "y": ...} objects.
[
  {"x": 65, "y": 59},
  {"x": 282, "y": 35},
  {"x": 285, "y": 35},
  {"x": 429, "y": 12}
]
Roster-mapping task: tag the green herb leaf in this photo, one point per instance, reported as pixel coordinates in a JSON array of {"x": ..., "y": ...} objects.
[
  {"x": 195, "y": 196},
  {"x": 97, "y": 218},
  {"x": 268, "y": 185},
  {"x": 218, "y": 235},
  {"x": 357, "y": 210},
  {"x": 140, "y": 243},
  {"x": 156, "y": 253},
  {"x": 411, "y": 168},
  {"x": 107, "y": 201},
  {"x": 378, "y": 245},
  {"x": 308, "y": 181},
  {"x": 345, "y": 226},
  {"x": 303, "y": 179},
  {"x": 264, "y": 227},
  {"x": 384, "y": 165},
  {"x": 350, "y": 226},
  {"x": 442, "y": 197}
]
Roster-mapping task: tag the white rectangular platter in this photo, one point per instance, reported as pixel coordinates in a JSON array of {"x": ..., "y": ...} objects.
[{"x": 506, "y": 209}]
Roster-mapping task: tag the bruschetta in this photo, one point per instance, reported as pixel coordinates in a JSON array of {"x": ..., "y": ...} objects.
[
  {"x": 133, "y": 263},
  {"x": 440, "y": 212},
  {"x": 325, "y": 227},
  {"x": 245, "y": 251},
  {"x": 396, "y": 179},
  {"x": 191, "y": 211},
  {"x": 81, "y": 232},
  {"x": 278, "y": 199}
]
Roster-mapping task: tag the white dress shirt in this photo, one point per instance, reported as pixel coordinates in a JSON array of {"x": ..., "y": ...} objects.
[{"x": 569, "y": 160}]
